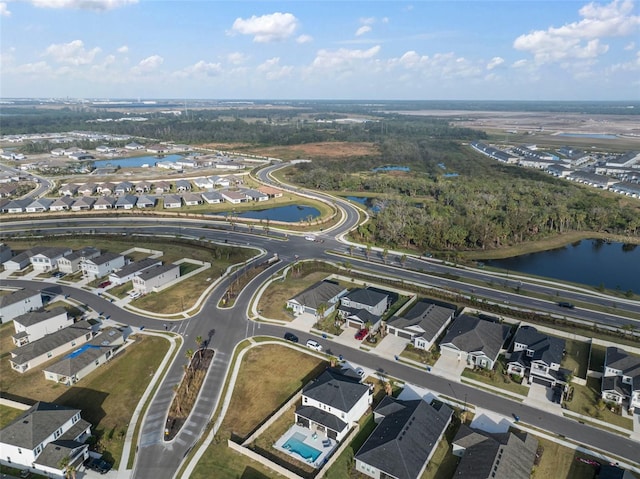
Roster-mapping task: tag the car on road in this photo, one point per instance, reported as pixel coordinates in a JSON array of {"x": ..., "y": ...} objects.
[
  {"x": 104, "y": 284},
  {"x": 566, "y": 304},
  {"x": 314, "y": 345},
  {"x": 360, "y": 335},
  {"x": 291, "y": 337},
  {"x": 98, "y": 464},
  {"x": 310, "y": 238}
]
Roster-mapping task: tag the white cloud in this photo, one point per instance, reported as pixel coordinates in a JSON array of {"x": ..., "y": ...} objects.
[
  {"x": 412, "y": 60},
  {"x": 633, "y": 65},
  {"x": 581, "y": 39},
  {"x": 368, "y": 20},
  {"x": 494, "y": 62},
  {"x": 200, "y": 69},
  {"x": 97, "y": 5},
  {"x": 237, "y": 58},
  {"x": 273, "y": 70},
  {"x": 304, "y": 39},
  {"x": 123, "y": 49},
  {"x": 342, "y": 57},
  {"x": 630, "y": 46},
  {"x": 4, "y": 10},
  {"x": 384, "y": 19},
  {"x": 520, "y": 63},
  {"x": 39, "y": 68},
  {"x": 148, "y": 65},
  {"x": 267, "y": 28},
  {"x": 362, "y": 30},
  {"x": 72, "y": 53}
]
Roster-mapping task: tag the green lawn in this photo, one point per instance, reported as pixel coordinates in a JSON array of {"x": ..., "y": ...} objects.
[
  {"x": 559, "y": 462},
  {"x": 496, "y": 378},
  {"x": 8, "y": 414},
  {"x": 585, "y": 401},
  {"x": 596, "y": 362},
  {"x": 420, "y": 355},
  {"x": 577, "y": 358}
]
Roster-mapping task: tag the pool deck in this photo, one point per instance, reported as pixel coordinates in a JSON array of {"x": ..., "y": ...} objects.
[{"x": 316, "y": 443}]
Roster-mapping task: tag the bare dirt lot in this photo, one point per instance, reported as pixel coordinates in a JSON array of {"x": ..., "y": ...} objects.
[{"x": 326, "y": 149}]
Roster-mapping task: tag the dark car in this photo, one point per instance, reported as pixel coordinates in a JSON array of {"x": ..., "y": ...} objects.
[
  {"x": 565, "y": 304},
  {"x": 360, "y": 335},
  {"x": 291, "y": 337},
  {"x": 104, "y": 284},
  {"x": 98, "y": 464}
]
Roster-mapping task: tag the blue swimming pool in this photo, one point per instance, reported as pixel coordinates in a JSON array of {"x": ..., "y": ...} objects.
[
  {"x": 80, "y": 350},
  {"x": 295, "y": 444}
]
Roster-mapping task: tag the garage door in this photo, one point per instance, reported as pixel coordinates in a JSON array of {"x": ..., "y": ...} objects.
[
  {"x": 542, "y": 381},
  {"x": 403, "y": 334}
]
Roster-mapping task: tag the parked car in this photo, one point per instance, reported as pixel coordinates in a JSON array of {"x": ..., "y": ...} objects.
[
  {"x": 565, "y": 304},
  {"x": 134, "y": 295},
  {"x": 360, "y": 335},
  {"x": 104, "y": 284},
  {"x": 291, "y": 337},
  {"x": 98, "y": 464},
  {"x": 314, "y": 345}
]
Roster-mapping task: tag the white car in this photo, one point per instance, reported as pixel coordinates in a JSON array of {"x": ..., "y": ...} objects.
[
  {"x": 314, "y": 345},
  {"x": 134, "y": 295},
  {"x": 310, "y": 238}
]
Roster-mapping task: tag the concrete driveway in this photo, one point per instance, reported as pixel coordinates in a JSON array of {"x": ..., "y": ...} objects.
[
  {"x": 347, "y": 337},
  {"x": 304, "y": 322},
  {"x": 390, "y": 346},
  {"x": 541, "y": 397},
  {"x": 449, "y": 367}
]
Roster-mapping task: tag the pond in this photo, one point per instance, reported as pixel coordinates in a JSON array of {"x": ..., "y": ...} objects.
[
  {"x": 591, "y": 262},
  {"x": 290, "y": 213},
  {"x": 136, "y": 161}
]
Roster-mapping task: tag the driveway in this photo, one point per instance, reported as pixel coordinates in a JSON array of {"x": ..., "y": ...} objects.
[
  {"x": 541, "y": 397},
  {"x": 390, "y": 346},
  {"x": 449, "y": 367},
  {"x": 304, "y": 322}
]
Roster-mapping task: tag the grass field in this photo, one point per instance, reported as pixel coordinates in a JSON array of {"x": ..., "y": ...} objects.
[
  {"x": 107, "y": 397},
  {"x": 577, "y": 357},
  {"x": 8, "y": 414},
  {"x": 282, "y": 371},
  {"x": 558, "y": 462},
  {"x": 596, "y": 362},
  {"x": 585, "y": 400},
  {"x": 496, "y": 378}
]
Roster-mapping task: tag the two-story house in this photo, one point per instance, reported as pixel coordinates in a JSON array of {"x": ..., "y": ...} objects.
[
  {"x": 32, "y": 326},
  {"x": 127, "y": 273},
  {"x": 332, "y": 403},
  {"x": 621, "y": 378},
  {"x": 373, "y": 301},
  {"x": 19, "y": 302},
  {"x": 319, "y": 299},
  {"x": 154, "y": 278},
  {"x": 47, "y": 260},
  {"x": 71, "y": 263},
  {"x": 539, "y": 355},
  {"x": 40, "y": 438},
  {"x": 422, "y": 324},
  {"x": 101, "y": 265}
]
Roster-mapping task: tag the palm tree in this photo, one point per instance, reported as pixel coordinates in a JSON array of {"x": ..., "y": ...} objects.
[
  {"x": 189, "y": 355},
  {"x": 200, "y": 343},
  {"x": 385, "y": 253}
]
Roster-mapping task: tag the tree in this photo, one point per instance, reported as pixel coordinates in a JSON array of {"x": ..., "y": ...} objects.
[
  {"x": 368, "y": 251},
  {"x": 189, "y": 356},
  {"x": 200, "y": 344},
  {"x": 403, "y": 260},
  {"x": 385, "y": 254}
]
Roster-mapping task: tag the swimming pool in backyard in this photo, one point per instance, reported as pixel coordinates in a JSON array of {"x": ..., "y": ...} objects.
[{"x": 295, "y": 444}]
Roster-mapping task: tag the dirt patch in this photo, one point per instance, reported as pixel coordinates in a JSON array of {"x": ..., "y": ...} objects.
[{"x": 327, "y": 149}]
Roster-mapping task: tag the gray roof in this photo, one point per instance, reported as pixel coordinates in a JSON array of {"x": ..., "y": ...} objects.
[
  {"x": 53, "y": 252},
  {"x": 54, "y": 452},
  {"x": 401, "y": 443},
  {"x": 367, "y": 296},
  {"x": 469, "y": 333},
  {"x": 156, "y": 271},
  {"x": 167, "y": 199},
  {"x": 617, "y": 358},
  {"x": 508, "y": 455},
  {"x": 322, "y": 417},
  {"x": 41, "y": 203},
  {"x": 104, "y": 258},
  {"x": 126, "y": 200},
  {"x": 336, "y": 390},
  {"x": 132, "y": 268},
  {"x": 17, "y": 296},
  {"x": 319, "y": 293},
  {"x": 212, "y": 195},
  {"x": 425, "y": 316},
  {"x": 545, "y": 348},
  {"x": 89, "y": 252},
  {"x": 66, "y": 201},
  {"x": 615, "y": 384},
  {"x": 105, "y": 200},
  {"x": 35, "y": 317},
  {"x": 36, "y": 424},
  {"x": 50, "y": 342},
  {"x": 96, "y": 348}
]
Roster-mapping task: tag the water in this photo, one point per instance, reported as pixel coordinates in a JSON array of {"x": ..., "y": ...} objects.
[
  {"x": 590, "y": 262},
  {"x": 80, "y": 350},
  {"x": 135, "y": 162},
  {"x": 289, "y": 214},
  {"x": 363, "y": 200},
  {"x": 596, "y": 136},
  {"x": 295, "y": 444}
]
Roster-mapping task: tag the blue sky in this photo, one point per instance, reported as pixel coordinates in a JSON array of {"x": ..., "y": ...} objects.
[{"x": 459, "y": 50}]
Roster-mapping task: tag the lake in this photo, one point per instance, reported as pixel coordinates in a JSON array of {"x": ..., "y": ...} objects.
[
  {"x": 136, "y": 161},
  {"x": 290, "y": 214},
  {"x": 591, "y": 262}
]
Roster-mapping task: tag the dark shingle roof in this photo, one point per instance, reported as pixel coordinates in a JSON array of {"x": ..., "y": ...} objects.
[
  {"x": 35, "y": 317},
  {"x": 16, "y": 296},
  {"x": 425, "y": 319},
  {"x": 546, "y": 348},
  {"x": 317, "y": 294},
  {"x": 367, "y": 296},
  {"x": 336, "y": 390},
  {"x": 104, "y": 258},
  {"x": 469, "y": 333},
  {"x": 132, "y": 268},
  {"x": 508, "y": 455},
  {"x": 321, "y": 417},
  {"x": 617, "y": 358},
  {"x": 400, "y": 444},
  {"x": 156, "y": 271}
]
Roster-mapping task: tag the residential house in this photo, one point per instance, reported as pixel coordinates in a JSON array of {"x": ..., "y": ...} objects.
[
  {"x": 332, "y": 403},
  {"x": 319, "y": 299},
  {"x": 234, "y": 197},
  {"x": 508, "y": 455},
  {"x": 203, "y": 183},
  {"x": 22, "y": 260},
  {"x": 369, "y": 299},
  {"x": 192, "y": 199},
  {"x": 143, "y": 187},
  {"x": 154, "y": 278},
  {"x": 69, "y": 190},
  {"x": 106, "y": 188},
  {"x": 87, "y": 189},
  {"x": 404, "y": 440},
  {"x": 361, "y": 318},
  {"x": 183, "y": 185},
  {"x": 83, "y": 203},
  {"x": 52, "y": 345},
  {"x": 126, "y": 202},
  {"x": 71, "y": 263},
  {"x": 127, "y": 273},
  {"x": 123, "y": 188},
  {"x": 146, "y": 201},
  {"x": 19, "y": 302},
  {"x": 81, "y": 156},
  {"x": 18, "y": 206},
  {"x": 101, "y": 265},
  {"x": 62, "y": 204},
  {"x": 162, "y": 187},
  {"x": 105, "y": 149},
  {"x": 475, "y": 341},
  {"x": 39, "y": 205},
  {"x": 422, "y": 324},
  {"x": 83, "y": 361},
  {"x": 8, "y": 190},
  {"x": 157, "y": 148},
  {"x": 220, "y": 181},
  {"x": 35, "y": 325},
  {"x": 105, "y": 203},
  {"x": 235, "y": 180},
  {"x": 538, "y": 355},
  {"x": 47, "y": 260},
  {"x": 40, "y": 438},
  {"x": 134, "y": 146},
  {"x": 212, "y": 197},
  {"x": 5, "y": 252},
  {"x": 255, "y": 195},
  {"x": 186, "y": 163},
  {"x": 172, "y": 201},
  {"x": 270, "y": 191},
  {"x": 621, "y": 379}
]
